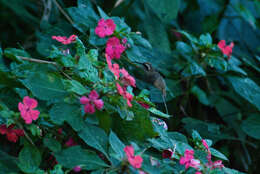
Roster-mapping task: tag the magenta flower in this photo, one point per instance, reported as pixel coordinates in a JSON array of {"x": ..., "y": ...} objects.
[
  {"x": 135, "y": 161},
  {"x": 91, "y": 102},
  {"x": 105, "y": 27},
  {"x": 217, "y": 164},
  {"x": 77, "y": 169},
  {"x": 226, "y": 49},
  {"x": 64, "y": 40},
  {"x": 188, "y": 159},
  {"x": 114, "y": 48},
  {"x": 127, "y": 79},
  {"x": 26, "y": 109}
]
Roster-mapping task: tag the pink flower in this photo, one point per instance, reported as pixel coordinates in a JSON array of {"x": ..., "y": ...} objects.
[
  {"x": 105, "y": 27},
  {"x": 26, "y": 109},
  {"x": 91, "y": 102},
  {"x": 128, "y": 98},
  {"x": 198, "y": 173},
  {"x": 205, "y": 144},
  {"x": 77, "y": 169},
  {"x": 114, "y": 48},
  {"x": 135, "y": 161},
  {"x": 217, "y": 164},
  {"x": 64, "y": 40},
  {"x": 11, "y": 134},
  {"x": 70, "y": 142},
  {"x": 226, "y": 49},
  {"x": 188, "y": 159},
  {"x": 127, "y": 79}
]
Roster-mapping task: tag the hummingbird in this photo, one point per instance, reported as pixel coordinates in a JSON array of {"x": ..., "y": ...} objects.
[{"x": 154, "y": 77}]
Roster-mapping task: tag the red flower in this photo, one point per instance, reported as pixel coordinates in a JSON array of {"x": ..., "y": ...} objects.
[
  {"x": 70, "y": 142},
  {"x": 114, "y": 48},
  {"x": 11, "y": 134},
  {"x": 135, "y": 161},
  {"x": 26, "y": 109},
  {"x": 167, "y": 153},
  {"x": 105, "y": 27},
  {"x": 226, "y": 49},
  {"x": 91, "y": 102},
  {"x": 64, "y": 40}
]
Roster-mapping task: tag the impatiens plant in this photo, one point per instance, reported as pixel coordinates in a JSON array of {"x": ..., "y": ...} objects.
[{"x": 83, "y": 104}]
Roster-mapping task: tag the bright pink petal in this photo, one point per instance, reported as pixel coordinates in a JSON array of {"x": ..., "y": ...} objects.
[
  {"x": 222, "y": 44},
  {"x": 129, "y": 151},
  {"x": 77, "y": 169},
  {"x": 21, "y": 107},
  {"x": 93, "y": 95},
  {"x": 34, "y": 114},
  {"x": 136, "y": 162},
  {"x": 84, "y": 100},
  {"x": 99, "y": 104},
  {"x": 30, "y": 102},
  {"x": 89, "y": 108},
  {"x": 119, "y": 89}
]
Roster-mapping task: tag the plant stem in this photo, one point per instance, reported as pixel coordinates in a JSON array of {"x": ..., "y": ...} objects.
[
  {"x": 63, "y": 12},
  {"x": 37, "y": 60}
]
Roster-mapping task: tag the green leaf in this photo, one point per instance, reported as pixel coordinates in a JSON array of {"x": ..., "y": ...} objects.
[
  {"x": 84, "y": 17},
  {"x": 193, "y": 69},
  {"x": 176, "y": 136},
  {"x": 218, "y": 154},
  {"x": 29, "y": 159},
  {"x": 95, "y": 39},
  {"x": 70, "y": 113},
  {"x": 52, "y": 144},
  {"x": 196, "y": 136},
  {"x": 95, "y": 137},
  {"x": 117, "y": 145},
  {"x": 75, "y": 86},
  {"x": 140, "y": 122},
  {"x": 251, "y": 126},
  {"x": 75, "y": 156},
  {"x": 217, "y": 62},
  {"x": 158, "y": 113},
  {"x": 8, "y": 164},
  {"x": 205, "y": 39},
  {"x": 12, "y": 53},
  {"x": 166, "y": 10},
  {"x": 45, "y": 86},
  {"x": 200, "y": 94},
  {"x": 246, "y": 88}
]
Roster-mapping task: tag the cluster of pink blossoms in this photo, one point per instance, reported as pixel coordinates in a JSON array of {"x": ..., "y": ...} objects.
[
  {"x": 226, "y": 49},
  {"x": 126, "y": 80},
  {"x": 27, "y": 109},
  {"x": 188, "y": 160},
  {"x": 64, "y": 40},
  {"x": 91, "y": 102},
  {"x": 210, "y": 164},
  {"x": 135, "y": 161},
  {"x": 11, "y": 133},
  {"x": 114, "y": 48}
]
